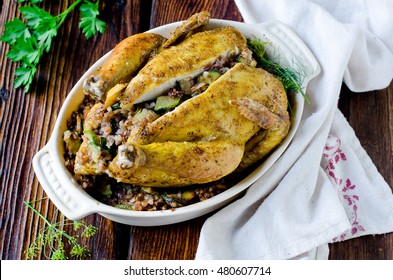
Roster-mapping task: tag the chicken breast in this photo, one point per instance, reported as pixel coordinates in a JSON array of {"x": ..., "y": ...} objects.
[
  {"x": 187, "y": 59},
  {"x": 205, "y": 138}
]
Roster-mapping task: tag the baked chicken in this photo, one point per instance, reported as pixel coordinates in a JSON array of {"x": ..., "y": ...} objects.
[
  {"x": 204, "y": 138},
  {"x": 192, "y": 112}
]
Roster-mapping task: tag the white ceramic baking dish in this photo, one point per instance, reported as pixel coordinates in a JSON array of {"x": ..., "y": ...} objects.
[{"x": 75, "y": 203}]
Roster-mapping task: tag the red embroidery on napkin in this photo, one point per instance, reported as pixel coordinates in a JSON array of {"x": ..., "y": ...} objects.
[{"x": 345, "y": 188}]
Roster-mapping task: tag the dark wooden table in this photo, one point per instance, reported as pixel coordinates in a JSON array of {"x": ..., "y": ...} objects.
[{"x": 26, "y": 122}]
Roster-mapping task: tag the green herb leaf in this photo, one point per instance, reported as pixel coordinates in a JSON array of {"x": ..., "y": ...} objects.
[
  {"x": 89, "y": 9},
  {"x": 45, "y": 33},
  {"x": 43, "y": 24},
  {"x": 14, "y": 30},
  {"x": 35, "y": 16},
  {"x": 89, "y": 22},
  {"x": 28, "y": 41},
  {"x": 23, "y": 49},
  {"x": 24, "y": 76}
]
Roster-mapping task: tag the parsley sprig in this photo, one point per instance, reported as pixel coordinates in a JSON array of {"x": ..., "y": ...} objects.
[
  {"x": 52, "y": 238},
  {"x": 31, "y": 37}
]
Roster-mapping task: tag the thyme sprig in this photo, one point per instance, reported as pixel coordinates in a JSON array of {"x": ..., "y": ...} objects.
[
  {"x": 53, "y": 237},
  {"x": 31, "y": 37},
  {"x": 292, "y": 77}
]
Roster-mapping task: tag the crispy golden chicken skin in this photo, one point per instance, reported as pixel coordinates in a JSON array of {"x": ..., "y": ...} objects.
[
  {"x": 126, "y": 58},
  {"x": 205, "y": 138},
  {"x": 187, "y": 59},
  {"x": 275, "y": 128},
  {"x": 193, "y": 23}
]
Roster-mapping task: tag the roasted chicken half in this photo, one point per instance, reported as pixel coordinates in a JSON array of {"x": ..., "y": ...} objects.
[
  {"x": 205, "y": 137},
  {"x": 224, "y": 113}
]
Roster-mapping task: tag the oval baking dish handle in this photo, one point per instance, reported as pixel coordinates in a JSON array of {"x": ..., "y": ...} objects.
[
  {"x": 60, "y": 192},
  {"x": 283, "y": 34}
]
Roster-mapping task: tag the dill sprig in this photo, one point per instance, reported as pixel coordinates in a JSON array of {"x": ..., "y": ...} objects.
[
  {"x": 52, "y": 238},
  {"x": 291, "y": 77}
]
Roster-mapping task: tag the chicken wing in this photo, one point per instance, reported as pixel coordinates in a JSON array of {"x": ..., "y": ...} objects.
[{"x": 192, "y": 23}]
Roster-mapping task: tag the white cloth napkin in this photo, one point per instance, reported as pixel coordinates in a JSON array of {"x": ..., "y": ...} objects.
[{"x": 324, "y": 188}]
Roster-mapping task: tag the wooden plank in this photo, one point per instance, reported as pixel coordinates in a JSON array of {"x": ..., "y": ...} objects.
[
  {"x": 165, "y": 12},
  {"x": 171, "y": 242}
]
